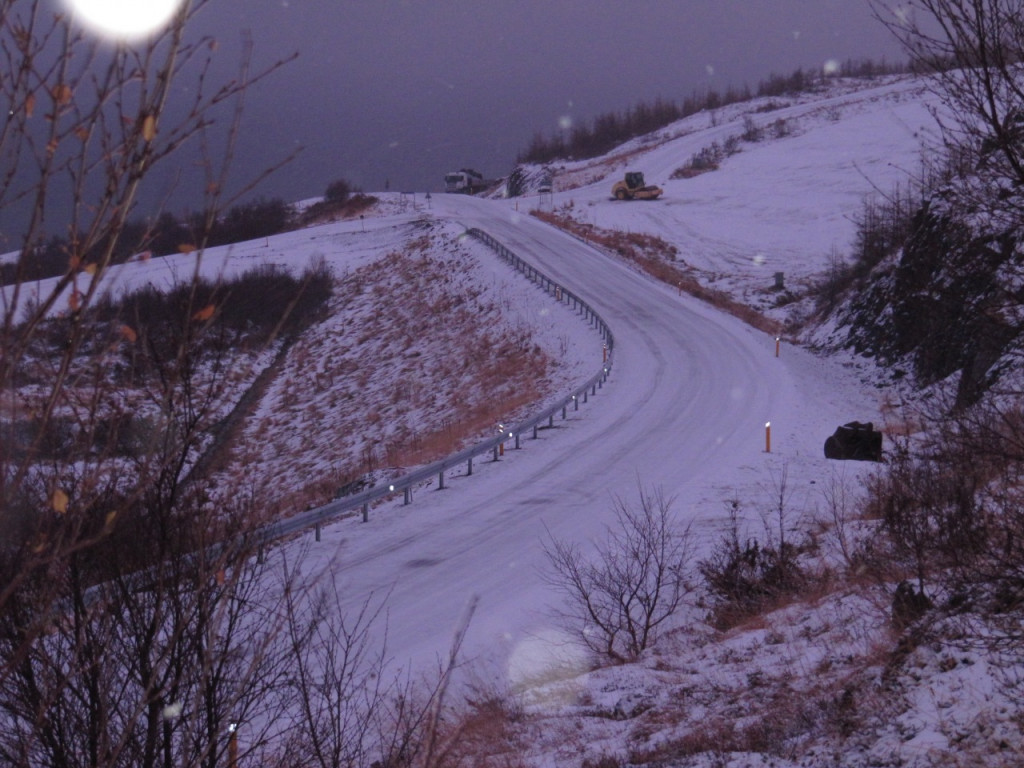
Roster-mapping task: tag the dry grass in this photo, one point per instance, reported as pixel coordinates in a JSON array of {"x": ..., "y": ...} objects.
[
  {"x": 483, "y": 733},
  {"x": 411, "y": 363},
  {"x": 658, "y": 259}
]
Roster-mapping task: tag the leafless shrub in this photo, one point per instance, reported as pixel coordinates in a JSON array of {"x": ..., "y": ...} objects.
[
  {"x": 752, "y": 131},
  {"x": 637, "y": 581},
  {"x": 971, "y": 51},
  {"x": 746, "y": 575}
]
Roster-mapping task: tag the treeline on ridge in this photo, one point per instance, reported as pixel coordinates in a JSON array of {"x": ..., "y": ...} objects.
[
  {"x": 168, "y": 233},
  {"x": 611, "y": 129}
]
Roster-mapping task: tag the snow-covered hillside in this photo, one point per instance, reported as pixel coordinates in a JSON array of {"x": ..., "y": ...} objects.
[
  {"x": 784, "y": 202},
  {"x": 819, "y": 683},
  {"x": 721, "y": 416}
]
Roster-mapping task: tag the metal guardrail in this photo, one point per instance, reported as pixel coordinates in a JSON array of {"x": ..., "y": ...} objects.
[{"x": 313, "y": 518}]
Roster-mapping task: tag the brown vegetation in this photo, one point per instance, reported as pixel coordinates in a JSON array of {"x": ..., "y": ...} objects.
[
  {"x": 408, "y": 365},
  {"x": 658, "y": 259}
]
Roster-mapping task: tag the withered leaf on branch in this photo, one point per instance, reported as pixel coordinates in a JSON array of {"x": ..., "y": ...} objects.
[
  {"x": 149, "y": 128},
  {"x": 204, "y": 314},
  {"x": 62, "y": 94},
  {"x": 59, "y": 501}
]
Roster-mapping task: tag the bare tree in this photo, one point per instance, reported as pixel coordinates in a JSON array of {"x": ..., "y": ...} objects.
[
  {"x": 972, "y": 50},
  {"x": 130, "y": 632},
  {"x": 86, "y": 124},
  {"x": 338, "y": 673},
  {"x": 638, "y": 579}
]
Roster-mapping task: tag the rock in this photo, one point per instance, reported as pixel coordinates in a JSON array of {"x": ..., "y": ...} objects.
[{"x": 855, "y": 440}]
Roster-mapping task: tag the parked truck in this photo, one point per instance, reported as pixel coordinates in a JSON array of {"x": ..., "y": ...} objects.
[{"x": 465, "y": 180}]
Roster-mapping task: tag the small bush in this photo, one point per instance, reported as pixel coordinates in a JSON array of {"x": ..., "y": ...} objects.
[
  {"x": 747, "y": 578},
  {"x": 781, "y": 129},
  {"x": 338, "y": 192},
  {"x": 746, "y": 575},
  {"x": 752, "y": 132},
  {"x": 639, "y": 579},
  {"x": 707, "y": 159},
  {"x": 251, "y": 221}
]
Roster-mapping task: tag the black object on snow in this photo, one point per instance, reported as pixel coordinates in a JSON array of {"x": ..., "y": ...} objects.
[{"x": 856, "y": 440}]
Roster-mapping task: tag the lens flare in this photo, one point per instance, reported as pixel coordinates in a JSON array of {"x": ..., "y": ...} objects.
[{"x": 123, "y": 19}]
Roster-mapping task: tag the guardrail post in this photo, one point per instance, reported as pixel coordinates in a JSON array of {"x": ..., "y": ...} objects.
[
  {"x": 551, "y": 419},
  {"x": 366, "y": 511},
  {"x": 469, "y": 466},
  {"x": 585, "y": 395},
  {"x": 316, "y": 530},
  {"x": 408, "y": 497},
  {"x": 534, "y": 431},
  {"x": 575, "y": 403},
  {"x": 495, "y": 453},
  {"x": 563, "y": 413},
  {"x": 440, "y": 480},
  {"x": 517, "y": 441}
]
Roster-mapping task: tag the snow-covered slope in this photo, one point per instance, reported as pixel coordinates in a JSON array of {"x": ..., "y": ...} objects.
[
  {"x": 691, "y": 390},
  {"x": 686, "y": 411},
  {"x": 783, "y": 203}
]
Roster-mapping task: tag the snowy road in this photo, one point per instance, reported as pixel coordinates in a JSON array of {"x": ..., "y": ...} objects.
[{"x": 685, "y": 410}]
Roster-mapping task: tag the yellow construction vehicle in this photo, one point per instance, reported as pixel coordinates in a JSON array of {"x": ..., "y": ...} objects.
[{"x": 634, "y": 188}]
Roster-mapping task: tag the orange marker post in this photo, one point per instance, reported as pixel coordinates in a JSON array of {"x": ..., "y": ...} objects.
[
  {"x": 776, "y": 346},
  {"x": 767, "y": 437}
]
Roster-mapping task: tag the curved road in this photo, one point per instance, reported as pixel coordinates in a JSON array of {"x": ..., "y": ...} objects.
[{"x": 685, "y": 406}]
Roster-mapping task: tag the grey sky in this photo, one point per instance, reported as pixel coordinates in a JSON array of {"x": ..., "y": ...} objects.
[{"x": 404, "y": 90}]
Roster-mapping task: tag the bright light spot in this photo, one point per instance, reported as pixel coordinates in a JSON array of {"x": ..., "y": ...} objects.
[
  {"x": 232, "y": 727},
  {"x": 565, "y": 122},
  {"x": 171, "y": 711},
  {"x": 544, "y": 657},
  {"x": 124, "y": 19},
  {"x": 767, "y": 424},
  {"x": 831, "y": 67},
  {"x": 391, "y": 488},
  {"x": 759, "y": 259}
]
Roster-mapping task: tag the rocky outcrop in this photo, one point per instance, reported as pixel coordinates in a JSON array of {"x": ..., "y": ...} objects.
[{"x": 947, "y": 303}]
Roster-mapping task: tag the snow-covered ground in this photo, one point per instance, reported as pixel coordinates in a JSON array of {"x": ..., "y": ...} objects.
[
  {"x": 691, "y": 391},
  {"x": 685, "y": 410}
]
